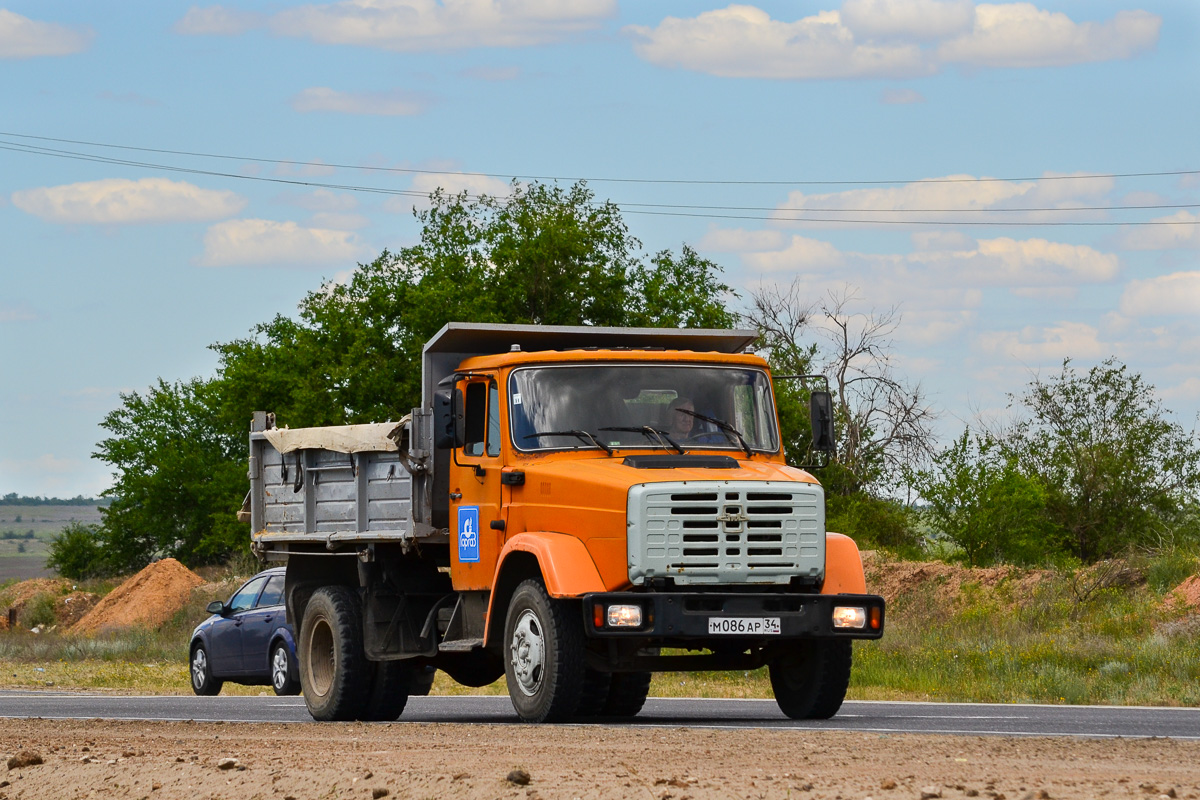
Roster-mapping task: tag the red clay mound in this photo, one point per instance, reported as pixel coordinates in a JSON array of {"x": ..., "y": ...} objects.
[
  {"x": 894, "y": 578},
  {"x": 149, "y": 598},
  {"x": 1185, "y": 596}
]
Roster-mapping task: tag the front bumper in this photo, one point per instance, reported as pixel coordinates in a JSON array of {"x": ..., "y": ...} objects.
[{"x": 686, "y": 615}]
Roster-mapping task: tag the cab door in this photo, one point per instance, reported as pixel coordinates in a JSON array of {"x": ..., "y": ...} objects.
[{"x": 477, "y": 511}]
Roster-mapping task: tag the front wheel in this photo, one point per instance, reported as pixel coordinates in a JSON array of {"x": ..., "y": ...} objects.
[
  {"x": 281, "y": 671},
  {"x": 544, "y": 655},
  {"x": 810, "y": 681},
  {"x": 627, "y": 694},
  {"x": 203, "y": 682}
]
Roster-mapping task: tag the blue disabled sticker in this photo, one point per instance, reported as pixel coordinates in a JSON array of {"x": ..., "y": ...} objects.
[{"x": 468, "y": 534}]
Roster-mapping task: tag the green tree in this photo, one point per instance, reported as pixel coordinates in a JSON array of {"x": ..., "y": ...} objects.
[
  {"x": 179, "y": 478},
  {"x": 1118, "y": 472},
  {"x": 978, "y": 499}
]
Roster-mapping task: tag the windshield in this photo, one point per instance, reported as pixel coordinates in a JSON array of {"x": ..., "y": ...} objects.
[{"x": 641, "y": 406}]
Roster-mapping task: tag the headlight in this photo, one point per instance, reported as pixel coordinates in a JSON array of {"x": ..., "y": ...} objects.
[
  {"x": 624, "y": 616},
  {"x": 849, "y": 617}
]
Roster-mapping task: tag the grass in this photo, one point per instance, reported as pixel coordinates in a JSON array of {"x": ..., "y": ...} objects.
[
  {"x": 21, "y": 557},
  {"x": 1061, "y": 641}
]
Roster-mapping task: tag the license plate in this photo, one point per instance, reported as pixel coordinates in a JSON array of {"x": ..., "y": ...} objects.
[{"x": 743, "y": 626}]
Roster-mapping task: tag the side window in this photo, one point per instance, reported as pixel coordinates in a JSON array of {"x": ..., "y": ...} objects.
[
  {"x": 493, "y": 420},
  {"x": 273, "y": 594},
  {"x": 244, "y": 599},
  {"x": 476, "y": 418}
]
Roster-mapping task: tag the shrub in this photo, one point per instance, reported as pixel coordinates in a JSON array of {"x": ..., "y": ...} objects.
[
  {"x": 79, "y": 552},
  {"x": 38, "y": 611}
]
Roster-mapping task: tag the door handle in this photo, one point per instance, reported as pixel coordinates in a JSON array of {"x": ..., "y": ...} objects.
[{"x": 266, "y": 619}]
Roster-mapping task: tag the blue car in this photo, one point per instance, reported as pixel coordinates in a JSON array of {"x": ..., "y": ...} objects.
[{"x": 246, "y": 640}]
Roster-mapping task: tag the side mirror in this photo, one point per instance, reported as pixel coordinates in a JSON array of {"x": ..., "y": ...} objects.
[
  {"x": 820, "y": 410},
  {"x": 216, "y": 607}
]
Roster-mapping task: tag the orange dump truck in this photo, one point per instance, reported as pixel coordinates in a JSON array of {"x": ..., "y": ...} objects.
[{"x": 572, "y": 509}]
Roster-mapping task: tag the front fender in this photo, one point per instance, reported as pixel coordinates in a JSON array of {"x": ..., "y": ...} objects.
[
  {"x": 843, "y": 566},
  {"x": 566, "y": 566}
]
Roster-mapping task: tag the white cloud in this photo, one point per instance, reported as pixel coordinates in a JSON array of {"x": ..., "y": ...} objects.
[
  {"x": 744, "y": 42},
  {"x": 921, "y": 20},
  {"x": 21, "y": 37},
  {"x": 1178, "y": 231},
  {"x": 801, "y": 254},
  {"x": 1022, "y": 35},
  {"x": 19, "y": 313},
  {"x": 1177, "y": 293},
  {"x": 323, "y": 200},
  {"x": 888, "y": 39},
  {"x": 1036, "y": 345},
  {"x": 416, "y": 25},
  {"x": 1185, "y": 392},
  {"x": 450, "y": 183},
  {"x": 394, "y": 103},
  {"x": 1024, "y": 263},
  {"x": 121, "y": 201},
  {"x": 492, "y": 73},
  {"x": 338, "y": 221},
  {"x": 258, "y": 242},
  {"x": 901, "y": 97},
  {"x": 952, "y": 198},
  {"x": 740, "y": 240},
  {"x": 217, "y": 21}
]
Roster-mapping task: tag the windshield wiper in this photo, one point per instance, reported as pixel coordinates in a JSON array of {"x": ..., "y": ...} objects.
[
  {"x": 584, "y": 436},
  {"x": 650, "y": 433},
  {"x": 724, "y": 426}
]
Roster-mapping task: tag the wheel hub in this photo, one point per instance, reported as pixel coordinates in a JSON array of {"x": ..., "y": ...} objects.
[
  {"x": 528, "y": 652},
  {"x": 199, "y": 667},
  {"x": 279, "y": 668}
]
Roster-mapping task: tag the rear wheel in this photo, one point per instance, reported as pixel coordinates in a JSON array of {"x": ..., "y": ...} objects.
[
  {"x": 810, "y": 681},
  {"x": 543, "y": 656},
  {"x": 334, "y": 672},
  {"x": 626, "y": 694},
  {"x": 390, "y": 686},
  {"x": 203, "y": 682},
  {"x": 281, "y": 671}
]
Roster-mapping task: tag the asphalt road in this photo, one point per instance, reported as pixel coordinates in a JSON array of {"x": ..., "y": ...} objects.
[{"x": 943, "y": 718}]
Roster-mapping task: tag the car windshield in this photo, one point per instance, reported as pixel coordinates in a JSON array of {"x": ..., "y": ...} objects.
[{"x": 641, "y": 406}]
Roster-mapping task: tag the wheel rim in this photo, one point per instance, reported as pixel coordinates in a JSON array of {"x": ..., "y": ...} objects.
[
  {"x": 321, "y": 656},
  {"x": 279, "y": 667},
  {"x": 528, "y": 653},
  {"x": 199, "y": 667}
]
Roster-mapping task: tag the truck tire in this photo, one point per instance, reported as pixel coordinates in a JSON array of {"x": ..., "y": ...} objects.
[
  {"x": 334, "y": 673},
  {"x": 626, "y": 694},
  {"x": 596, "y": 686},
  {"x": 810, "y": 682},
  {"x": 391, "y": 682},
  {"x": 422, "y": 681},
  {"x": 543, "y": 655}
]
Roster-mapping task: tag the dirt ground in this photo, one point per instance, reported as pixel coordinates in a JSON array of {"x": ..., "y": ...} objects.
[{"x": 295, "y": 762}]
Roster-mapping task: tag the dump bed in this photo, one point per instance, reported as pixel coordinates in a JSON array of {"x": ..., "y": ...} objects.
[{"x": 330, "y": 487}]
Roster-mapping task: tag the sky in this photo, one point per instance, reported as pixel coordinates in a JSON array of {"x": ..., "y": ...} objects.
[{"x": 173, "y": 174}]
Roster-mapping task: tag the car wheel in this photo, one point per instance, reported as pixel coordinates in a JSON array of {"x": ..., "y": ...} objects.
[
  {"x": 544, "y": 663},
  {"x": 281, "y": 671},
  {"x": 203, "y": 682}
]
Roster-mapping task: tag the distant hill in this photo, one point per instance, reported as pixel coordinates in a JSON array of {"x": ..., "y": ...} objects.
[{"x": 13, "y": 499}]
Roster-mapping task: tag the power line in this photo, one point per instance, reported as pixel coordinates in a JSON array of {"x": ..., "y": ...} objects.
[
  {"x": 693, "y": 211},
  {"x": 506, "y": 176}
]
